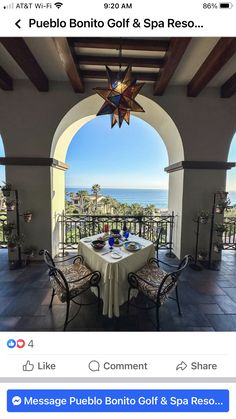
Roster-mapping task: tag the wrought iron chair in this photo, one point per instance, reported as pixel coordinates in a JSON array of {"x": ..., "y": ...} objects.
[
  {"x": 157, "y": 284},
  {"x": 70, "y": 281}
]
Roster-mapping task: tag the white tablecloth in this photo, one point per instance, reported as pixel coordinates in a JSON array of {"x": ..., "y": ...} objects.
[{"x": 114, "y": 284}]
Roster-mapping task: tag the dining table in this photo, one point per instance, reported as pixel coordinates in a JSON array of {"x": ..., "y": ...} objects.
[{"x": 114, "y": 266}]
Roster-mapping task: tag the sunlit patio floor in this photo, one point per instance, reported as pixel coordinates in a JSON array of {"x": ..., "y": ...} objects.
[{"x": 208, "y": 300}]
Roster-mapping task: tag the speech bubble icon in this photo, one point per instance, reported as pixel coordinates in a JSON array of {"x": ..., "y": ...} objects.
[
  {"x": 94, "y": 366},
  {"x": 16, "y": 400}
]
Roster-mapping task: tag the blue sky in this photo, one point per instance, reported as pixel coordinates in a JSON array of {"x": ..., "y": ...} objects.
[
  {"x": 132, "y": 156},
  {"x": 2, "y": 168},
  {"x": 231, "y": 177}
]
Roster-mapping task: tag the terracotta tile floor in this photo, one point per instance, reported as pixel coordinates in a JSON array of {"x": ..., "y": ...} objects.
[{"x": 208, "y": 300}]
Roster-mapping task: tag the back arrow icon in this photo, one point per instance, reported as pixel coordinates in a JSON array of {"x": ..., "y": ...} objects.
[{"x": 17, "y": 24}]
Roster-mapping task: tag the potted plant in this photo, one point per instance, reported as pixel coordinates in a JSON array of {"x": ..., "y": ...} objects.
[
  {"x": 203, "y": 217},
  {"x": 222, "y": 194},
  {"x": 202, "y": 255},
  {"x": 222, "y": 205},
  {"x": 15, "y": 240},
  {"x": 7, "y": 228},
  {"x": 27, "y": 216},
  {"x": 218, "y": 247},
  {"x": 220, "y": 229},
  {"x": 10, "y": 205},
  {"x": 6, "y": 189}
]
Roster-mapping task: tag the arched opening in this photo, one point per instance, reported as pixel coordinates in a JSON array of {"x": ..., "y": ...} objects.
[
  {"x": 2, "y": 168},
  {"x": 127, "y": 163},
  {"x": 3, "y": 216},
  {"x": 84, "y": 112},
  {"x": 231, "y": 175}
]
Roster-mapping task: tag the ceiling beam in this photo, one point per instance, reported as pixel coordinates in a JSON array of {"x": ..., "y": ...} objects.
[
  {"x": 173, "y": 56},
  {"x": 115, "y": 43},
  {"x": 6, "y": 82},
  {"x": 96, "y": 74},
  {"x": 21, "y": 53},
  {"x": 218, "y": 57},
  {"x": 135, "y": 62},
  {"x": 68, "y": 60},
  {"x": 229, "y": 87}
]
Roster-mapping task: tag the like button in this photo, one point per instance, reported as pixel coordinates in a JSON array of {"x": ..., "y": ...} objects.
[{"x": 28, "y": 366}]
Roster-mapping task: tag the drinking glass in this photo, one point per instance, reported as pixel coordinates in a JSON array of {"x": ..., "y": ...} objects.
[
  {"x": 111, "y": 241},
  {"x": 126, "y": 235}
]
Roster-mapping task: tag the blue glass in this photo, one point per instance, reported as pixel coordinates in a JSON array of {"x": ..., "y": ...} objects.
[
  {"x": 126, "y": 235},
  {"x": 111, "y": 241}
]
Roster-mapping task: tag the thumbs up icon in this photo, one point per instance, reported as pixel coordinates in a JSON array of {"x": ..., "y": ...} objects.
[{"x": 28, "y": 366}]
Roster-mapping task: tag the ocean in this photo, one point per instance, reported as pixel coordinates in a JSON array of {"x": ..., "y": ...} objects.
[{"x": 144, "y": 197}]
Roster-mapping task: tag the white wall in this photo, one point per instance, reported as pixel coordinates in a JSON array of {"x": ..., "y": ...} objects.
[
  {"x": 58, "y": 206},
  {"x": 33, "y": 185},
  {"x": 30, "y": 124}
]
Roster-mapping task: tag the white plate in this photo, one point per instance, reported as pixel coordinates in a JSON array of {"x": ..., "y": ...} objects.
[
  {"x": 87, "y": 240},
  {"x": 116, "y": 255}
]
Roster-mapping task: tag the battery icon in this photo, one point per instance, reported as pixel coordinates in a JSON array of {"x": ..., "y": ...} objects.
[{"x": 226, "y": 5}]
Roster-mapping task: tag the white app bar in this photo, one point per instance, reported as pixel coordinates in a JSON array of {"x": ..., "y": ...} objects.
[{"x": 132, "y": 18}]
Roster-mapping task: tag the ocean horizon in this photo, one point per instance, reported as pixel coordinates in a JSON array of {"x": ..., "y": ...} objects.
[{"x": 144, "y": 197}]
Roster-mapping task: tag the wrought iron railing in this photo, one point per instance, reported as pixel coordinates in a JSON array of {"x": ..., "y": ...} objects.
[
  {"x": 74, "y": 227},
  {"x": 3, "y": 223},
  {"x": 229, "y": 236}
]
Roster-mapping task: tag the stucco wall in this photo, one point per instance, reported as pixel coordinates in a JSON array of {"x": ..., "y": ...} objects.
[{"x": 31, "y": 124}]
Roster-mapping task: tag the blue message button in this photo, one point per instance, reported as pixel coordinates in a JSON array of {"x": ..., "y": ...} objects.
[{"x": 117, "y": 400}]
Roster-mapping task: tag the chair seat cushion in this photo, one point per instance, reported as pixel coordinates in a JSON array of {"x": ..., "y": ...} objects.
[
  {"x": 149, "y": 281},
  {"x": 71, "y": 273}
]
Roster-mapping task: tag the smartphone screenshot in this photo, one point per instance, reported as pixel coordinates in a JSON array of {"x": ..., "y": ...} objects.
[{"x": 117, "y": 209}]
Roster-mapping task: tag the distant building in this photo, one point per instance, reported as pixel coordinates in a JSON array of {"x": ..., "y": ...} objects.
[
  {"x": 2, "y": 202},
  {"x": 76, "y": 200}
]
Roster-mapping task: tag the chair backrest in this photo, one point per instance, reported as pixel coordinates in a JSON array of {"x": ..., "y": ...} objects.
[
  {"x": 184, "y": 263},
  {"x": 48, "y": 259},
  {"x": 170, "y": 280},
  {"x": 57, "y": 278}
]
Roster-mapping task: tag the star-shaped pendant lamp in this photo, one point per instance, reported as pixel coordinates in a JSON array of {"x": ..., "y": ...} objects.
[{"x": 119, "y": 96}]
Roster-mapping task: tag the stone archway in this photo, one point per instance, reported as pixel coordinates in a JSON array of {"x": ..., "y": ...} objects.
[
  {"x": 231, "y": 176},
  {"x": 85, "y": 111}
]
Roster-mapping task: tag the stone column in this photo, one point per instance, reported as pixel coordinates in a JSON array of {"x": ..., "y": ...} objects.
[
  {"x": 38, "y": 192},
  {"x": 192, "y": 186}
]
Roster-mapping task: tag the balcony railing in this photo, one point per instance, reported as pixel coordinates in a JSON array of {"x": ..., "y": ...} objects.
[
  {"x": 229, "y": 236},
  {"x": 74, "y": 227},
  {"x": 3, "y": 222}
]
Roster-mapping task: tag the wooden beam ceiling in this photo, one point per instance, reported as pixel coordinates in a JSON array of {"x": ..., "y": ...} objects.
[
  {"x": 97, "y": 74},
  {"x": 135, "y": 62},
  {"x": 173, "y": 56},
  {"x": 6, "y": 82},
  {"x": 68, "y": 60},
  {"x": 21, "y": 53},
  {"x": 115, "y": 43},
  {"x": 229, "y": 87},
  {"x": 218, "y": 57}
]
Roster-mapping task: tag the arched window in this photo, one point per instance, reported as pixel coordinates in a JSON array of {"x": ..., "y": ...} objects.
[
  {"x": 128, "y": 163},
  {"x": 2, "y": 168}
]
